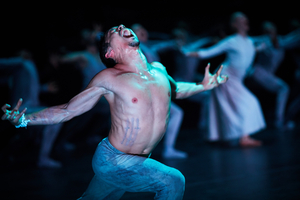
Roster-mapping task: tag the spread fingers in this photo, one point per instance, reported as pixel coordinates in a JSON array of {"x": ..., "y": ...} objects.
[{"x": 18, "y": 104}]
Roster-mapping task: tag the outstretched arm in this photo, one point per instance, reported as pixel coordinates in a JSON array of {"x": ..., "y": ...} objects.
[
  {"x": 217, "y": 49},
  {"x": 79, "y": 104},
  {"x": 185, "y": 89}
]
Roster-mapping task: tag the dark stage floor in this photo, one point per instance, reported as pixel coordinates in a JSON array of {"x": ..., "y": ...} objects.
[{"x": 212, "y": 172}]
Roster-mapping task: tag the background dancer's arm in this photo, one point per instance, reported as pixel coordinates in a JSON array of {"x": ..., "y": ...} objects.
[{"x": 214, "y": 50}]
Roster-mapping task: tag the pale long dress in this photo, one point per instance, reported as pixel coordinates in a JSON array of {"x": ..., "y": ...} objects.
[{"x": 233, "y": 110}]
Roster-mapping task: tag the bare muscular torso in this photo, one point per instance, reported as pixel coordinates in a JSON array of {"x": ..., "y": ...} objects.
[{"x": 139, "y": 105}]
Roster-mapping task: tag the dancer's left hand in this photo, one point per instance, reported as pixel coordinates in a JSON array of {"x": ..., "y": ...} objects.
[{"x": 211, "y": 81}]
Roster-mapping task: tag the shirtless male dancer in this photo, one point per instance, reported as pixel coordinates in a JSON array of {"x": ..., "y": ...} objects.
[{"x": 139, "y": 95}]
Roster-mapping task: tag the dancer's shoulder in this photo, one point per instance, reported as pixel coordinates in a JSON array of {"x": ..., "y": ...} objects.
[{"x": 158, "y": 65}]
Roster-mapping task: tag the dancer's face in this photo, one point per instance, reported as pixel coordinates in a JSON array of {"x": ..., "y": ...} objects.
[
  {"x": 270, "y": 29},
  {"x": 241, "y": 23},
  {"x": 121, "y": 40},
  {"x": 121, "y": 36}
]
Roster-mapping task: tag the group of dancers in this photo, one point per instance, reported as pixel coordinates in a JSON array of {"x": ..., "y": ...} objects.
[{"x": 139, "y": 92}]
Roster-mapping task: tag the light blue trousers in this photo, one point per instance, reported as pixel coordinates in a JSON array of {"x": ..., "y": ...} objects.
[{"x": 117, "y": 172}]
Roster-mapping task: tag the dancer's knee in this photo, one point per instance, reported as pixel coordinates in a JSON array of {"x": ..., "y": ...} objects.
[
  {"x": 176, "y": 181},
  {"x": 284, "y": 88},
  {"x": 174, "y": 186},
  {"x": 177, "y": 113},
  {"x": 180, "y": 114}
]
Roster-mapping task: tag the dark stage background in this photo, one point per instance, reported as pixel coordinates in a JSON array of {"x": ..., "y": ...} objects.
[
  {"x": 269, "y": 172},
  {"x": 39, "y": 27}
]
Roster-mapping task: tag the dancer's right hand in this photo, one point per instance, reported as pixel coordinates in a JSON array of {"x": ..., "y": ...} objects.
[{"x": 13, "y": 115}]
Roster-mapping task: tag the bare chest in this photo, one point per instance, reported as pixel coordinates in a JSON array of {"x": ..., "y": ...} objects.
[{"x": 144, "y": 89}]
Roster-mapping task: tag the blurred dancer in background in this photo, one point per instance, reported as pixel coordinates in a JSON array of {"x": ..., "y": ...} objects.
[
  {"x": 293, "y": 108},
  {"x": 234, "y": 112},
  {"x": 90, "y": 64},
  {"x": 189, "y": 72},
  {"x": 270, "y": 55},
  {"x": 25, "y": 82}
]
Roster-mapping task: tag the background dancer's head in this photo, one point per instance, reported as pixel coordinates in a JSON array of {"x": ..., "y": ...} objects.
[
  {"x": 269, "y": 28},
  {"x": 239, "y": 22},
  {"x": 141, "y": 32}
]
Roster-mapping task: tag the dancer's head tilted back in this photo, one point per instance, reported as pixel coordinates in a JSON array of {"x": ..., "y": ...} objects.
[{"x": 116, "y": 42}]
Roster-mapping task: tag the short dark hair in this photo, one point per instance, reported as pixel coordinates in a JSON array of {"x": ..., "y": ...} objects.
[{"x": 103, "y": 46}]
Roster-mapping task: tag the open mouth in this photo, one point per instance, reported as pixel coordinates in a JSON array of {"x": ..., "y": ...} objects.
[{"x": 127, "y": 33}]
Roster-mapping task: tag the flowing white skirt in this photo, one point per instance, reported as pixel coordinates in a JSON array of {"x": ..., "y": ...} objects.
[{"x": 233, "y": 110}]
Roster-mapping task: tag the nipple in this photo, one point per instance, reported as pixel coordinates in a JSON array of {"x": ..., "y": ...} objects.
[{"x": 134, "y": 100}]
